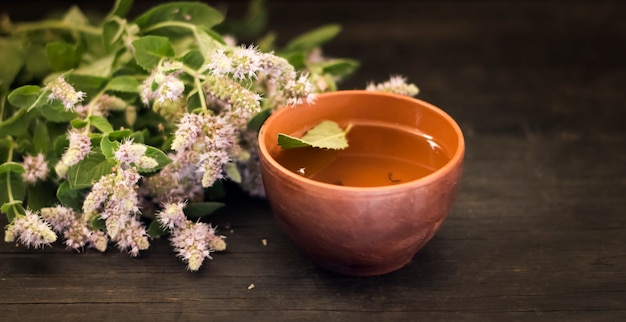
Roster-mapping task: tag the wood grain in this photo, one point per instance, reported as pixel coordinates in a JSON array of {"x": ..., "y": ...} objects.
[{"x": 538, "y": 230}]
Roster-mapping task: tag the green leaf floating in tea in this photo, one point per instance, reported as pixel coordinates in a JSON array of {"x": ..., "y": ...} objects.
[{"x": 325, "y": 135}]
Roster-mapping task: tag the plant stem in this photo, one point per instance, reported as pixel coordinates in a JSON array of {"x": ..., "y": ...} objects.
[
  {"x": 9, "y": 159},
  {"x": 201, "y": 95},
  {"x": 197, "y": 78},
  {"x": 9, "y": 189},
  {"x": 11, "y": 147}
]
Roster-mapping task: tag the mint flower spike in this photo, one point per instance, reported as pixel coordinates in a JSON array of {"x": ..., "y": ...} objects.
[
  {"x": 64, "y": 92},
  {"x": 67, "y": 222},
  {"x": 243, "y": 62},
  {"x": 395, "y": 84},
  {"x": 30, "y": 230},
  {"x": 35, "y": 167},
  {"x": 194, "y": 242},
  {"x": 163, "y": 85},
  {"x": 130, "y": 152},
  {"x": 241, "y": 102},
  {"x": 79, "y": 147},
  {"x": 189, "y": 128},
  {"x": 299, "y": 90},
  {"x": 172, "y": 216}
]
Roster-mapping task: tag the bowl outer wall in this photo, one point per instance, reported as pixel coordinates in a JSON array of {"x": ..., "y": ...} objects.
[{"x": 352, "y": 230}]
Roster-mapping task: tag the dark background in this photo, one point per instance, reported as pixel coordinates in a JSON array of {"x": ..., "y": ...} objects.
[{"x": 538, "y": 230}]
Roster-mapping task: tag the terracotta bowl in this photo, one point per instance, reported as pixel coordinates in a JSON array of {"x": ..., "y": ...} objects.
[{"x": 361, "y": 231}]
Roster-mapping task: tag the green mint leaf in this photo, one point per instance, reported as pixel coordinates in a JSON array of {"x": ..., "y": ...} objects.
[
  {"x": 127, "y": 84},
  {"x": 149, "y": 50},
  {"x": 120, "y": 8},
  {"x": 89, "y": 170},
  {"x": 12, "y": 187},
  {"x": 75, "y": 17},
  {"x": 87, "y": 83},
  {"x": 17, "y": 124},
  {"x": 26, "y": 96},
  {"x": 295, "y": 58},
  {"x": 100, "y": 69},
  {"x": 257, "y": 120},
  {"x": 207, "y": 40},
  {"x": 313, "y": 38},
  {"x": 11, "y": 167},
  {"x": 339, "y": 67},
  {"x": 155, "y": 229},
  {"x": 178, "y": 18},
  {"x": 201, "y": 209},
  {"x": 41, "y": 195},
  {"x": 193, "y": 59},
  {"x": 13, "y": 209},
  {"x": 101, "y": 123},
  {"x": 69, "y": 197},
  {"x": 161, "y": 158},
  {"x": 112, "y": 32},
  {"x": 41, "y": 137},
  {"x": 108, "y": 147},
  {"x": 119, "y": 135},
  {"x": 63, "y": 56},
  {"x": 98, "y": 223},
  {"x": 12, "y": 62},
  {"x": 78, "y": 123},
  {"x": 54, "y": 111},
  {"x": 232, "y": 172},
  {"x": 325, "y": 135},
  {"x": 289, "y": 142}
]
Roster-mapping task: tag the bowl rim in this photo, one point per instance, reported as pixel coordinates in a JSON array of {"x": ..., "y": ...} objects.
[{"x": 454, "y": 161}]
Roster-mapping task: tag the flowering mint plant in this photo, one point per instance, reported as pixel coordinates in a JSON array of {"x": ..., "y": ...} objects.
[{"x": 119, "y": 131}]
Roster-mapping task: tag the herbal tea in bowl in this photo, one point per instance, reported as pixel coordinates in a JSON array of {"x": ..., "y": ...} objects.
[{"x": 366, "y": 205}]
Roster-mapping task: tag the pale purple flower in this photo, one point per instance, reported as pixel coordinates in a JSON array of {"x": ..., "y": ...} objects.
[
  {"x": 248, "y": 164},
  {"x": 132, "y": 236},
  {"x": 217, "y": 145},
  {"x": 192, "y": 243},
  {"x": 172, "y": 215},
  {"x": 211, "y": 167},
  {"x": 242, "y": 102},
  {"x": 162, "y": 86},
  {"x": 114, "y": 194},
  {"x": 176, "y": 182},
  {"x": 299, "y": 90},
  {"x": 189, "y": 127},
  {"x": 129, "y": 152},
  {"x": 219, "y": 63},
  {"x": 246, "y": 62},
  {"x": 98, "y": 240},
  {"x": 79, "y": 148},
  {"x": 64, "y": 92},
  {"x": 230, "y": 40},
  {"x": 146, "y": 163},
  {"x": 241, "y": 63},
  {"x": 61, "y": 218},
  {"x": 72, "y": 226},
  {"x": 100, "y": 191},
  {"x": 277, "y": 69},
  {"x": 77, "y": 235},
  {"x": 30, "y": 230},
  {"x": 395, "y": 84},
  {"x": 35, "y": 167}
]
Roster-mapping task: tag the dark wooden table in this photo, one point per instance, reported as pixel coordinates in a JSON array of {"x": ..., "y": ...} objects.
[{"x": 538, "y": 230}]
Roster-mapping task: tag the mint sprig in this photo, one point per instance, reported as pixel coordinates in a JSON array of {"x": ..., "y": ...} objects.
[{"x": 325, "y": 135}]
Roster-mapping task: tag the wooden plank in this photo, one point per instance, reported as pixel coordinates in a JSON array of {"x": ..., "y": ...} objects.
[{"x": 538, "y": 229}]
